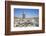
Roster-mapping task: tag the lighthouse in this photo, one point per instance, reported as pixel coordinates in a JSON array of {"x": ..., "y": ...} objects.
[{"x": 23, "y": 15}]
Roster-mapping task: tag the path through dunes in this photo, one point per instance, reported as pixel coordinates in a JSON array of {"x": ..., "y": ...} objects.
[{"x": 27, "y": 22}]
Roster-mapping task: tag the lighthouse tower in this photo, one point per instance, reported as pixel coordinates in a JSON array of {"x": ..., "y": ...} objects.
[{"x": 23, "y": 15}]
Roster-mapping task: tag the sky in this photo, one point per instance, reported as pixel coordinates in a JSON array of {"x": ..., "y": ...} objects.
[{"x": 28, "y": 12}]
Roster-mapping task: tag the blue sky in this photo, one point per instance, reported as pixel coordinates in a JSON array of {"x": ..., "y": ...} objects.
[{"x": 28, "y": 12}]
